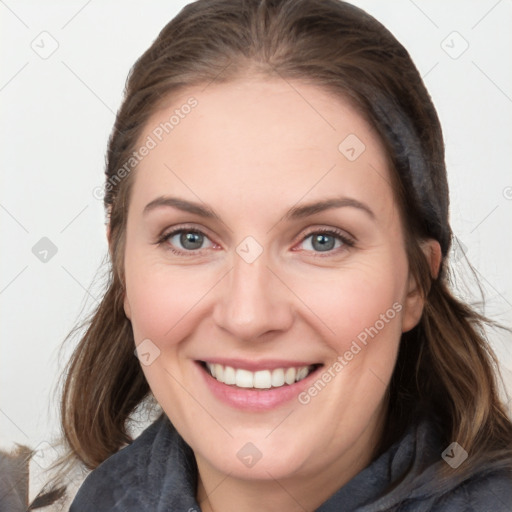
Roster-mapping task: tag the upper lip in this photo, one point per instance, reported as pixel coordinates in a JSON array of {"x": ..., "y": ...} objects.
[{"x": 264, "y": 364}]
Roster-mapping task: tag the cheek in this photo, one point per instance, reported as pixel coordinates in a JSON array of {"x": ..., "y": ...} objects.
[
  {"x": 361, "y": 317},
  {"x": 162, "y": 299},
  {"x": 164, "y": 306},
  {"x": 354, "y": 301}
]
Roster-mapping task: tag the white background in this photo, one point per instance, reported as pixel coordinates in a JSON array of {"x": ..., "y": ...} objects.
[{"x": 57, "y": 114}]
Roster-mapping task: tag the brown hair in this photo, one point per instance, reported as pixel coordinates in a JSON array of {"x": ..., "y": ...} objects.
[{"x": 445, "y": 366}]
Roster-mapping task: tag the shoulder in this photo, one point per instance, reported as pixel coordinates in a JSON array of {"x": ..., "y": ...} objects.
[
  {"x": 484, "y": 486},
  {"x": 485, "y": 491},
  {"x": 482, "y": 492},
  {"x": 123, "y": 477}
]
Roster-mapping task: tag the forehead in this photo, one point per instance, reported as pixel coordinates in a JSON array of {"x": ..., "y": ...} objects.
[{"x": 272, "y": 138}]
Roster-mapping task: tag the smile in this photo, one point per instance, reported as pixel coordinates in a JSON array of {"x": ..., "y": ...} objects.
[
  {"x": 261, "y": 379},
  {"x": 256, "y": 386}
]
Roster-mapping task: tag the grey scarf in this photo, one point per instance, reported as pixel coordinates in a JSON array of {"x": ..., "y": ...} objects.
[{"x": 158, "y": 473}]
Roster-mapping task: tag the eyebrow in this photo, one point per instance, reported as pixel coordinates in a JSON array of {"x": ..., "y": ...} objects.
[
  {"x": 181, "y": 204},
  {"x": 299, "y": 212},
  {"x": 296, "y": 212}
]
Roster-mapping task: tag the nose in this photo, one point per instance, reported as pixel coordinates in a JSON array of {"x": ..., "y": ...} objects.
[{"x": 253, "y": 302}]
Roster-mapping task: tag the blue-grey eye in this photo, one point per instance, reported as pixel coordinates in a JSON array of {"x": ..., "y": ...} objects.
[
  {"x": 188, "y": 240},
  {"x": 322, "y": 242}
]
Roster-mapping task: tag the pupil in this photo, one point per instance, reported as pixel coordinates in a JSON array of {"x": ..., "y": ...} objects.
[
  {"x": 323, "y": 242},
  {"x": 191, "y": 240}
]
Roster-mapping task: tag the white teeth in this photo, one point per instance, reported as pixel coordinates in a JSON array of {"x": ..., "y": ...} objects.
[
  {"x": 244, "y": 379},
  {"x": 302, "y": 373},
  {"x": 229, "y": 375},
  {"x": 278, "y": 378},
  {"x": 289, "y": 376},
  {"x": 219, "y": 372},
  {"x": 261, "y": 379}
]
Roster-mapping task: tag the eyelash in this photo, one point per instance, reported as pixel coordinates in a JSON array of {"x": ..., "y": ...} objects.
[
  {"x": 347, "y": 241},
  {"x": 336, "y": 233}
]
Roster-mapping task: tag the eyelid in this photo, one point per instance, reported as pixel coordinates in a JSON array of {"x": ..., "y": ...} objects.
[
  {"x": 164, "y": 237},
  {"x": 348, "y": 241},
  {"x": 328, "y": 230},
  {"x": 182, "y": 227}
]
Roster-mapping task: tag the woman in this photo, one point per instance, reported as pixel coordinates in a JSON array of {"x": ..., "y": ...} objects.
[{"x": 278, "y": 230}]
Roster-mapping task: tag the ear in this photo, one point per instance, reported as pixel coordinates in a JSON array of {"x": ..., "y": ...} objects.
[
  {"x": 107, "y": 223},
  {"x": 127, "y": 308},
  {"x": 126, "y": 304},
  {"x": 414, "y": 301}
]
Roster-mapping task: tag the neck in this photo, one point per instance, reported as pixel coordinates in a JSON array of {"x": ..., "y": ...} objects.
[{"x": 303, "y": 491}]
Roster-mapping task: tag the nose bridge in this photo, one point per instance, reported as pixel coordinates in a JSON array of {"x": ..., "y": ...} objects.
[{"x": 253, "y": 301}]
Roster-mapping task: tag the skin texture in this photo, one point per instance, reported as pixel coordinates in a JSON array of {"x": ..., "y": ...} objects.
[{"x": 251, "y": 150}]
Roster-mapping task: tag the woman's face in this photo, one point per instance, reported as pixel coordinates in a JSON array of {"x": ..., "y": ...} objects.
[{"x": 264, "y": 244}]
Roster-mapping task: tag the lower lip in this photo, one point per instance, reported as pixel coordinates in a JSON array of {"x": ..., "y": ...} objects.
[{"x": 252, "y": 399}]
